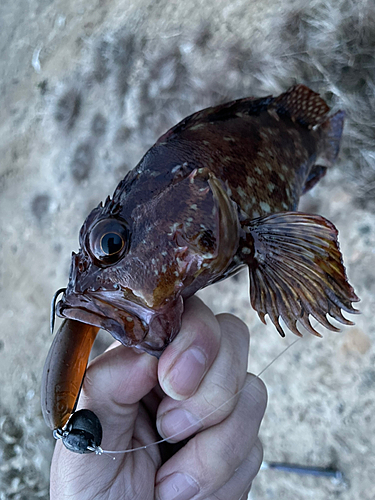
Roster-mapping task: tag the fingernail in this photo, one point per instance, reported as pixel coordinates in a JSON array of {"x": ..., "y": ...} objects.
[
  {"x": 187, "y": 373},
  {"x": 178, "y": 486},
  {"x": 180, "y": 422}
]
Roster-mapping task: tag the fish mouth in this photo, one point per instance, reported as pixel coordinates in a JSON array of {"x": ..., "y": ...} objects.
[{"x": 134, "y": 325}]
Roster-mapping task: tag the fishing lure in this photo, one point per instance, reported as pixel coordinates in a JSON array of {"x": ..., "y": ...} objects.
[{"x": 217, "y": 192}]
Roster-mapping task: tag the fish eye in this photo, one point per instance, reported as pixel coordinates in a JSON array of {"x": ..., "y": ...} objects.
[
  {"x": 108, "y": 240},
  {"x": 111, "y": 243}
]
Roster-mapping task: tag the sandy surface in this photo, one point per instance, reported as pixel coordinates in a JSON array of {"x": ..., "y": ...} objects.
[{"x": 86, "y": 88}]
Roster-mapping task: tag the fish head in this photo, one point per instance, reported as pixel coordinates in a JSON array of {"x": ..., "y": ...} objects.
[{"x": 138, "y": 260}]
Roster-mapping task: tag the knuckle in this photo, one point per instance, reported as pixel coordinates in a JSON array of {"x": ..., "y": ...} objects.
[
  {"x": 233, "y": 323},
  {"x": 226, "y": 385},
  {"x": 220, "y": 394},
  {"x": 254, "y": 460},
  {"x": 257, "y": 391},
  {"x": 231, "y": 453},
  {"x": 257, "y": 454}
]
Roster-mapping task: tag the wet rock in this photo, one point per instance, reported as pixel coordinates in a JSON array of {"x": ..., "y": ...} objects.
[
  {"x": 68, "y": 108},
  {"x": 40, "y": 205},
  {"x": 81, "y": 164}
]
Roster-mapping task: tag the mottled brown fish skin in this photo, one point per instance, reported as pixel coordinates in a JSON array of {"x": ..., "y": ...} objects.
[
  {"x": 263, "y": 160},
  {"x": 185, "y": 217}
]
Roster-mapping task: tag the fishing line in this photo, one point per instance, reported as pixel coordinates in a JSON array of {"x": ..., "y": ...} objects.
[{"x": 99, "y": 451}]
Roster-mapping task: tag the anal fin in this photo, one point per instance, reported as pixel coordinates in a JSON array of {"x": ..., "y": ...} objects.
[{"x": 296, "y": 270}]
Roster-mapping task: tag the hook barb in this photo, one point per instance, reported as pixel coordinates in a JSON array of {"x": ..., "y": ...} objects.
[{"x": 53, "y": 308}]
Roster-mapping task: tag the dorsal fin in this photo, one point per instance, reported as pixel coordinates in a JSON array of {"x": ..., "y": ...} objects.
[
  {"x": 227, "y": 111},
  {"x": 302, "y": 105},
  {"x": 299, "y": 103}
]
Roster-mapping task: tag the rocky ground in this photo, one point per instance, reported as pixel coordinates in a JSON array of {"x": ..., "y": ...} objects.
[{"x": 86, "y": 88}]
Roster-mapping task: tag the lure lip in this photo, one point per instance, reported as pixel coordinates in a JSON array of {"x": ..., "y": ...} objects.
[{"x": 134, "y": 325}]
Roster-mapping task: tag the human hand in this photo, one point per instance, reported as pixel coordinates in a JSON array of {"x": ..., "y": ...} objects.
[{"x": 121, "y": 387}]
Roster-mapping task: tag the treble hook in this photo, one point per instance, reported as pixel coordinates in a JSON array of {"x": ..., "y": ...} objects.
[{"x": 53, "y": 308}]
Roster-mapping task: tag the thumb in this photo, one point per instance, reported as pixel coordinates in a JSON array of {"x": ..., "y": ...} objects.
[{"x": 114, "y": 384}]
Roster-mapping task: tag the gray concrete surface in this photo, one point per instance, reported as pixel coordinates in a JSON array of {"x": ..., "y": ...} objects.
[{"x": 86, "y": 88}]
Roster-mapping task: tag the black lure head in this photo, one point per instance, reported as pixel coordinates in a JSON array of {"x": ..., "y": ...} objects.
[{"x": 83, "y": 433}]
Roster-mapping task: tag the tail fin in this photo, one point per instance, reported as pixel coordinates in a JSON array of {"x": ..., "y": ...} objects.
[
  {"x": 331, "y": 137},
  {"x": 332, "y": 131}
]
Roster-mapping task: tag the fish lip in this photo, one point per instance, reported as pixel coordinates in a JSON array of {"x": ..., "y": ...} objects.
[
  {"x": 94, "y": 319},
  {"x": 150, "y": 330}
]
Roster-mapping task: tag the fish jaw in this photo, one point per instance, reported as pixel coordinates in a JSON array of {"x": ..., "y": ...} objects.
[{"x": 132, "y": 324}]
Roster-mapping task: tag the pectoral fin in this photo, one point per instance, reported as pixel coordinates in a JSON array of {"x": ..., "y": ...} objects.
[{"x": 296, "y": 270}]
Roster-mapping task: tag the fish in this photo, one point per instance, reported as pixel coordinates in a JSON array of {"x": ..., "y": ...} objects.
[{"x": 217, "y": 192}]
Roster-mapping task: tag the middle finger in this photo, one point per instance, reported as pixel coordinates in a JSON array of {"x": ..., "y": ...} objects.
[{"x": 214, "y": 400}]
